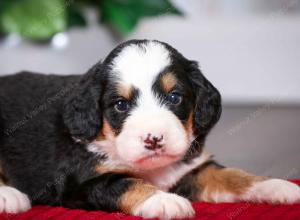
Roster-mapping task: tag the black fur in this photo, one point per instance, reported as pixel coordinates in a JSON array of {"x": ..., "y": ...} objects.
[
  {"x": 82, "y": 110},
  {"x": 102, "y": 192},
  {"x": 208, "y": 101},
  {"x": 47, "y": 120}
]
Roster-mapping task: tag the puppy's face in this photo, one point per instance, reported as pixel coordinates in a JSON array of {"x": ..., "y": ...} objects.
[{"x": 150, "y": 106}]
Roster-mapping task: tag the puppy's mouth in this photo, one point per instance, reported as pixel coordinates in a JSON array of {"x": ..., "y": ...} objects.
[{"x": 156, "y": 160}]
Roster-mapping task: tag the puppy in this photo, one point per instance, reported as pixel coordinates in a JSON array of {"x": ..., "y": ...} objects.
[{"x": 126, "y": 136}]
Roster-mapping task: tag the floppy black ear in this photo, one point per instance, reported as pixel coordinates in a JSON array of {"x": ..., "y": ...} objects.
[
  {"x": 82, "y": 110},
  {"x": 207, "y": 110}
]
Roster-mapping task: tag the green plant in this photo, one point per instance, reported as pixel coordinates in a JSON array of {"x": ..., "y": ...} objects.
[{"x": 41, "y": 19}]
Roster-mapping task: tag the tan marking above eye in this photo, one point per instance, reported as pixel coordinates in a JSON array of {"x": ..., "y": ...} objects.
[
  {"x": 168, "y": 82},
  {"x": 125, "y": 91}
]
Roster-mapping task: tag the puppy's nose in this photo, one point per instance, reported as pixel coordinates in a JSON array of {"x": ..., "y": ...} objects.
[{"x": 153, "y": 142}]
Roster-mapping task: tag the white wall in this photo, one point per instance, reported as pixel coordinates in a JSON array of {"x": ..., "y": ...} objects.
[{"x": 249, "y": 58}]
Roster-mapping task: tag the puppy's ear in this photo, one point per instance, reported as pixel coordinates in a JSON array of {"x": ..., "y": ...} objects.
[
  {"x": 207, "y": 109},
  {"x": 82, "y": 110}
]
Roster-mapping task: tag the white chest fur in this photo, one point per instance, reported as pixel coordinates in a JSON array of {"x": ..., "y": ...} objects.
[{"x": 165, "y": 178}]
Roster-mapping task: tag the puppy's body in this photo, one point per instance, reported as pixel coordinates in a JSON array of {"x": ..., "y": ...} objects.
[
  {"x": 128, "y": 135},
  {"x": 35, "y": 149}
]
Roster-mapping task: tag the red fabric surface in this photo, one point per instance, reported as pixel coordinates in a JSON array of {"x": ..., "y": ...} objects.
[{"x": 204, "y": 211}]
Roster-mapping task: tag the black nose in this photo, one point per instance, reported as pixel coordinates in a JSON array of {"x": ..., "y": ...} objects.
[{"x": 153, "y": 142}]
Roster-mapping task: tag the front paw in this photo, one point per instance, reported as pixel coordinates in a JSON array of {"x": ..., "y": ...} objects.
[
  {"x": 13, "y": 201},
  {"x": 275, "y": 191},
  {"x": 164, "y": 205}
]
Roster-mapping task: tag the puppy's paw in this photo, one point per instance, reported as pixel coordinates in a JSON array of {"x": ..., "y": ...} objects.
[
  {"x": 13, "y": 201},
  {"x": 164, "y": 205},
  {"x": 274, "y": 191}
]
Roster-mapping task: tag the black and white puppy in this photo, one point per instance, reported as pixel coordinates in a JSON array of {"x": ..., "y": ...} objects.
[{"x": 126, "y": 136}]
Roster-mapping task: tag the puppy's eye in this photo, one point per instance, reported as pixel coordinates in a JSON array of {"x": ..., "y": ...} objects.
[
  {"x": 122, "y": 105},
  {"x": 174, "y": 98}
]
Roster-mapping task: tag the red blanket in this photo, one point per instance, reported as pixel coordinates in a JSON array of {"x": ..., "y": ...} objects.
[{"x": 203, "y": 211}]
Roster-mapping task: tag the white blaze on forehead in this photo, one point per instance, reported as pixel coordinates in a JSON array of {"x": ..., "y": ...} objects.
[{"x": 139, "y": 65}]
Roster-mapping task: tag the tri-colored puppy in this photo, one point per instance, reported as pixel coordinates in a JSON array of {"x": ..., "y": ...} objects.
[{"x": 126, "y": 136}]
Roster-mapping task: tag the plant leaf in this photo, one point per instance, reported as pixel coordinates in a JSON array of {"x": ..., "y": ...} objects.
[
  {"x": 125, "y": 14},
  {"x": 34, "y": 19},
  {"x": 75, "y": 17}
]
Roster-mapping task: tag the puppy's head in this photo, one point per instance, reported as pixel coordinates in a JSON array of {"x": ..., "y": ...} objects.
[{"x": 145, "y": 106}]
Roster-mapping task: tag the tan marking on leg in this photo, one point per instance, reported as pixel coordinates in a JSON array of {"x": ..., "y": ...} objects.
[
  {"x": 135, "y": 195},
  {"x": 101, "y": 169},
  {"x": 168, "y": 81},
  {"x": 214, "y": 180},
  {"x": 3, "y": 179},
  {"x": 125, "y": 91}
]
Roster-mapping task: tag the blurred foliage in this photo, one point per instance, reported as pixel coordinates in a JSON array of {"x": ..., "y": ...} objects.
[
  {"x": 34, "y": 19},
  {"x": 41, "y": 19},
  {"x": 125, "y": 14}
]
